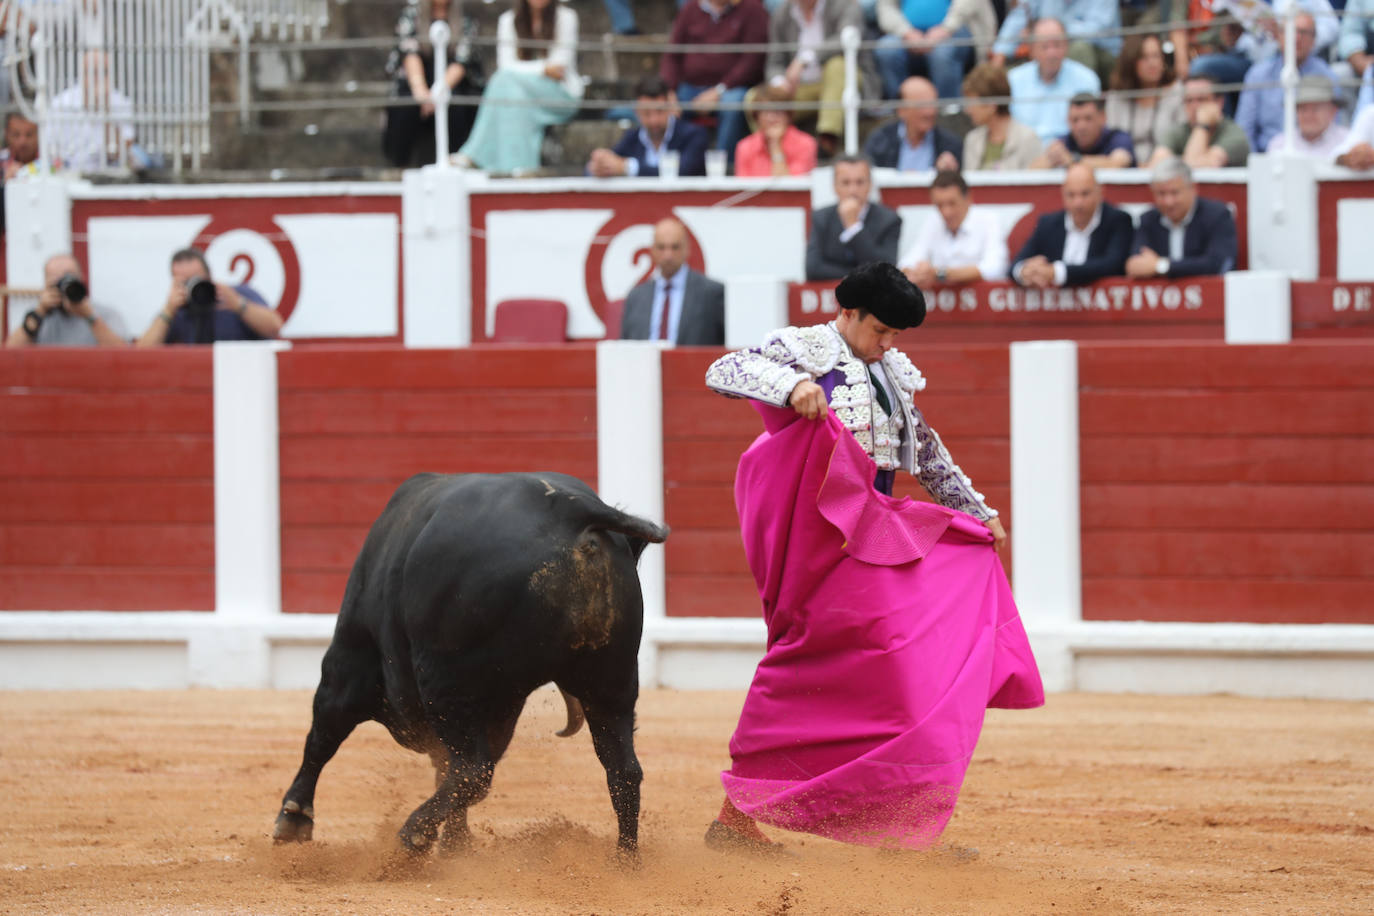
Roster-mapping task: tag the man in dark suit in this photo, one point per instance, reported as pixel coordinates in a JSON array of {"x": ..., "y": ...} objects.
[
  {"x": 1184, "y": 235},
  {"x": 855, "y": 230},
  {"x": 1088, "y": 240},
  {"x": 676, "y": 303},
  {"x": 660, "y": 131},
  {"x": 912, "y": 142}
]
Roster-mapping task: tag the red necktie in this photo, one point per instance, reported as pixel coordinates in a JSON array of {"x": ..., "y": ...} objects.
[{"x": 667, "y": 306}]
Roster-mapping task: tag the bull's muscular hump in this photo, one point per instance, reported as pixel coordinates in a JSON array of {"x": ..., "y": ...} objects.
[{"x": 470, "y": 592}]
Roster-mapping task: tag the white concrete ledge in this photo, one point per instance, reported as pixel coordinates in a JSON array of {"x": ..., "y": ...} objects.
[{"x": 107, "y": 650}]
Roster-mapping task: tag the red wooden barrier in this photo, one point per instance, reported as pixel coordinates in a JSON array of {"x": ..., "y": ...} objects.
[
  {"x": 106, "y": 480},
  {"x": 704, "y": 434},
  {"x": 1329, "y": 197},
  {"x": 1228, "y": 483},
  {"x": 1330, "y": 308},
  {"x": 356, "y": 423},
  {"x": 1003, "y": 312}
]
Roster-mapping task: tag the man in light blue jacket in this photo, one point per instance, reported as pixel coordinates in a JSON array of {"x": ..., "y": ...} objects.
[
  {"x": 1041, "y": 89},
  {"x": 1085, "y": 22}
]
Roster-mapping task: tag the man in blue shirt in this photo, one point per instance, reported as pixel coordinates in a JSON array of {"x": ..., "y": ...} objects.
[
  {"x": 1260, "y": 112},
  {"x": 198, "y": 310},
  {"x": 1083, "y": 21},
  {"x": 1041, "y": 89},
  {"x": 1089, "y": 139},
  {"x": 913, "y": 142},
  {"x": 938, "y": 37}
]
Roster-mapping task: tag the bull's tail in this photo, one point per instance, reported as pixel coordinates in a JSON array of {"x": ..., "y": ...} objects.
[{"x": 575, "y": 715}]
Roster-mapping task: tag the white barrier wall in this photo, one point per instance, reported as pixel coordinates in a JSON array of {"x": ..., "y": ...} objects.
[{"x": 247, "y": 641}]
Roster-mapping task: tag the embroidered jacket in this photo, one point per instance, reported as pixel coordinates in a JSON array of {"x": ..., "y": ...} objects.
[{"x": 820, "y": 354}]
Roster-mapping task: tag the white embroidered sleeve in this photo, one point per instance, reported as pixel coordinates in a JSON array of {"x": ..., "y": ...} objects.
[
  {"x": 942, "y": 478},
  {"x": 769, "y": 373},
  {"x": 764, "y": 374}
]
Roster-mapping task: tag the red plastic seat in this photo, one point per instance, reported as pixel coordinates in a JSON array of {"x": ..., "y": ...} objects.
[{"x": 530, "y": 321}]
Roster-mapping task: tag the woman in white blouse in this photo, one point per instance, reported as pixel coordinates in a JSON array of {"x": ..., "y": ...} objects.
[
  {"x": 1158, "y": 108},
  {"x": 533, "y": 86}
]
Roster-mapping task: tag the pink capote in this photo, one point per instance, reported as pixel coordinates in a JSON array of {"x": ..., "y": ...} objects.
[{"x": 891, "y": 628}]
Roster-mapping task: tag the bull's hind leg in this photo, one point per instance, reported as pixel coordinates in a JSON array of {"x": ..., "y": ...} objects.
[
  {"x": 350, "y": 692},
  {"x": 612, "y": 725}
]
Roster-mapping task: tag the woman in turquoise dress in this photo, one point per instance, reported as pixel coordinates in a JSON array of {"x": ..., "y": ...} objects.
[{"x": 534, "y": 85}]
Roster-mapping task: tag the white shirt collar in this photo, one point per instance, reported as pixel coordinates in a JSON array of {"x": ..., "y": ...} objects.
[
  {"x": 816, "y": 14},
  {"x": 1169, "y": 224},
  {"x": 1093, "y": 223}
]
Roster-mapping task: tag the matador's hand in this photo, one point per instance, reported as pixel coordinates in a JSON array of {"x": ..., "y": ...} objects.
[
  {"x": 808, "y": 399},
  {"x": 999, "y": 535}
]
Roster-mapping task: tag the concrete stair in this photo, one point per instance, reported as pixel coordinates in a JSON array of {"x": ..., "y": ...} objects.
[{"x": 325, "y": 110}]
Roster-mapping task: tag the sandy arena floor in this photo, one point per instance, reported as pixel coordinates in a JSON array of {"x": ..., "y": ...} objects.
[{"x": 129, "y": 802}]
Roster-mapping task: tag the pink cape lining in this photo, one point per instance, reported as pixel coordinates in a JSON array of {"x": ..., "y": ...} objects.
[{"x": 891, "y": 629}]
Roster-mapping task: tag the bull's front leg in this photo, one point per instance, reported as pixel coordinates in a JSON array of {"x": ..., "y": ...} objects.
[{"x": 612, "y": 728}]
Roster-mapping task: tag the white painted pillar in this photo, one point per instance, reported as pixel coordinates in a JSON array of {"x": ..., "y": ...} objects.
[
  {"x": 436, "y": 251},
  {"x": 629, "y": 462},
  {"x": 235, "y": 652},
  {"x": 1282, "y": 214},
  {"x": 754, "y": 306},
  {"x": 38, "y": 219},
  {"x": 1259, "y": 307},
  {"x": 247, "y": 479},
  {"x": 1046, "y": 525}
]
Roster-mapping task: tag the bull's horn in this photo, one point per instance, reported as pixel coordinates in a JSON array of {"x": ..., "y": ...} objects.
[{"x": 575, "y": 716}]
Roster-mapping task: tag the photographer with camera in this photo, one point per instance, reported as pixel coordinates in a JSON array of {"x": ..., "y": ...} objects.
[
  {"x": 198, "y": 310},
  {"x": 65, "y": 316}
]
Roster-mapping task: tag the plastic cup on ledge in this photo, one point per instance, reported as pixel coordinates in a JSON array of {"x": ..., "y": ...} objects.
[
  {"x": 668, "y": 164},
  {"x": 716, "y": 162}
]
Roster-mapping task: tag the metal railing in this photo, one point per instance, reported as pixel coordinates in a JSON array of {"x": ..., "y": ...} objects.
[
  {"x": 121, "y": 83},
  {"x": 156, "y": 54}
]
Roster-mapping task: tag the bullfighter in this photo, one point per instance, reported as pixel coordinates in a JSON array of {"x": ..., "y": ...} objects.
[{"x": 891, "y": 625}]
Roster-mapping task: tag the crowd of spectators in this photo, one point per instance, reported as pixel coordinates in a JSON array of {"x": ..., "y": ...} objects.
[
  {"x": 947, "y": 86},
  {"x": 926, "y": 65},
  {"x": 1182, "y": 235},
  {"x": 1201, "y": 84}
]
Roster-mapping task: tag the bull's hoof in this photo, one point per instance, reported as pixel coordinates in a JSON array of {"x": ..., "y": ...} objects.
[
  {"x": 416, "y": 841},
  {"x": 627, "y": 857},
  {"x": 294, "y": 824}
]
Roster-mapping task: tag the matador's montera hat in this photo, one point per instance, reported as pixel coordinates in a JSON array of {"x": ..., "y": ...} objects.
[{"x": 885, "y": 292}]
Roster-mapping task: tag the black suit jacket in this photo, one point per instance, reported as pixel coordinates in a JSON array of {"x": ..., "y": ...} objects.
[
  {"x": 688, "y": 140},
  {"x": 703, "y": 312},
  {"x": 1108, "y": 246},
  {"x": 1209, "y": 242},
  {"x": 885, "y": 144},
  {"x": 827, "y": 258}
]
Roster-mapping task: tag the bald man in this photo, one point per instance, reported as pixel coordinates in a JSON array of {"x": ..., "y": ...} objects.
[
  {"x": 1088, "y": 240},
  {"x": 676, "y": 303},
  {"x": 911, "y": 141},
  {"x": 65, "y": 315}
]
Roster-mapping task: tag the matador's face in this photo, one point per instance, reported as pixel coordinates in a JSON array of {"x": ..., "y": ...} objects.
[{"x": 868, "y": 338}]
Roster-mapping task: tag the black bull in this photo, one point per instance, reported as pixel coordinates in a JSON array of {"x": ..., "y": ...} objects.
[{"x": 470, "y": 592}]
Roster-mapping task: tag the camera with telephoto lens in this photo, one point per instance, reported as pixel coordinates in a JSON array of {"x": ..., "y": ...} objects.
[
  {"x": 200, "y": 294},
  {"x": 71, "y": 288}
]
